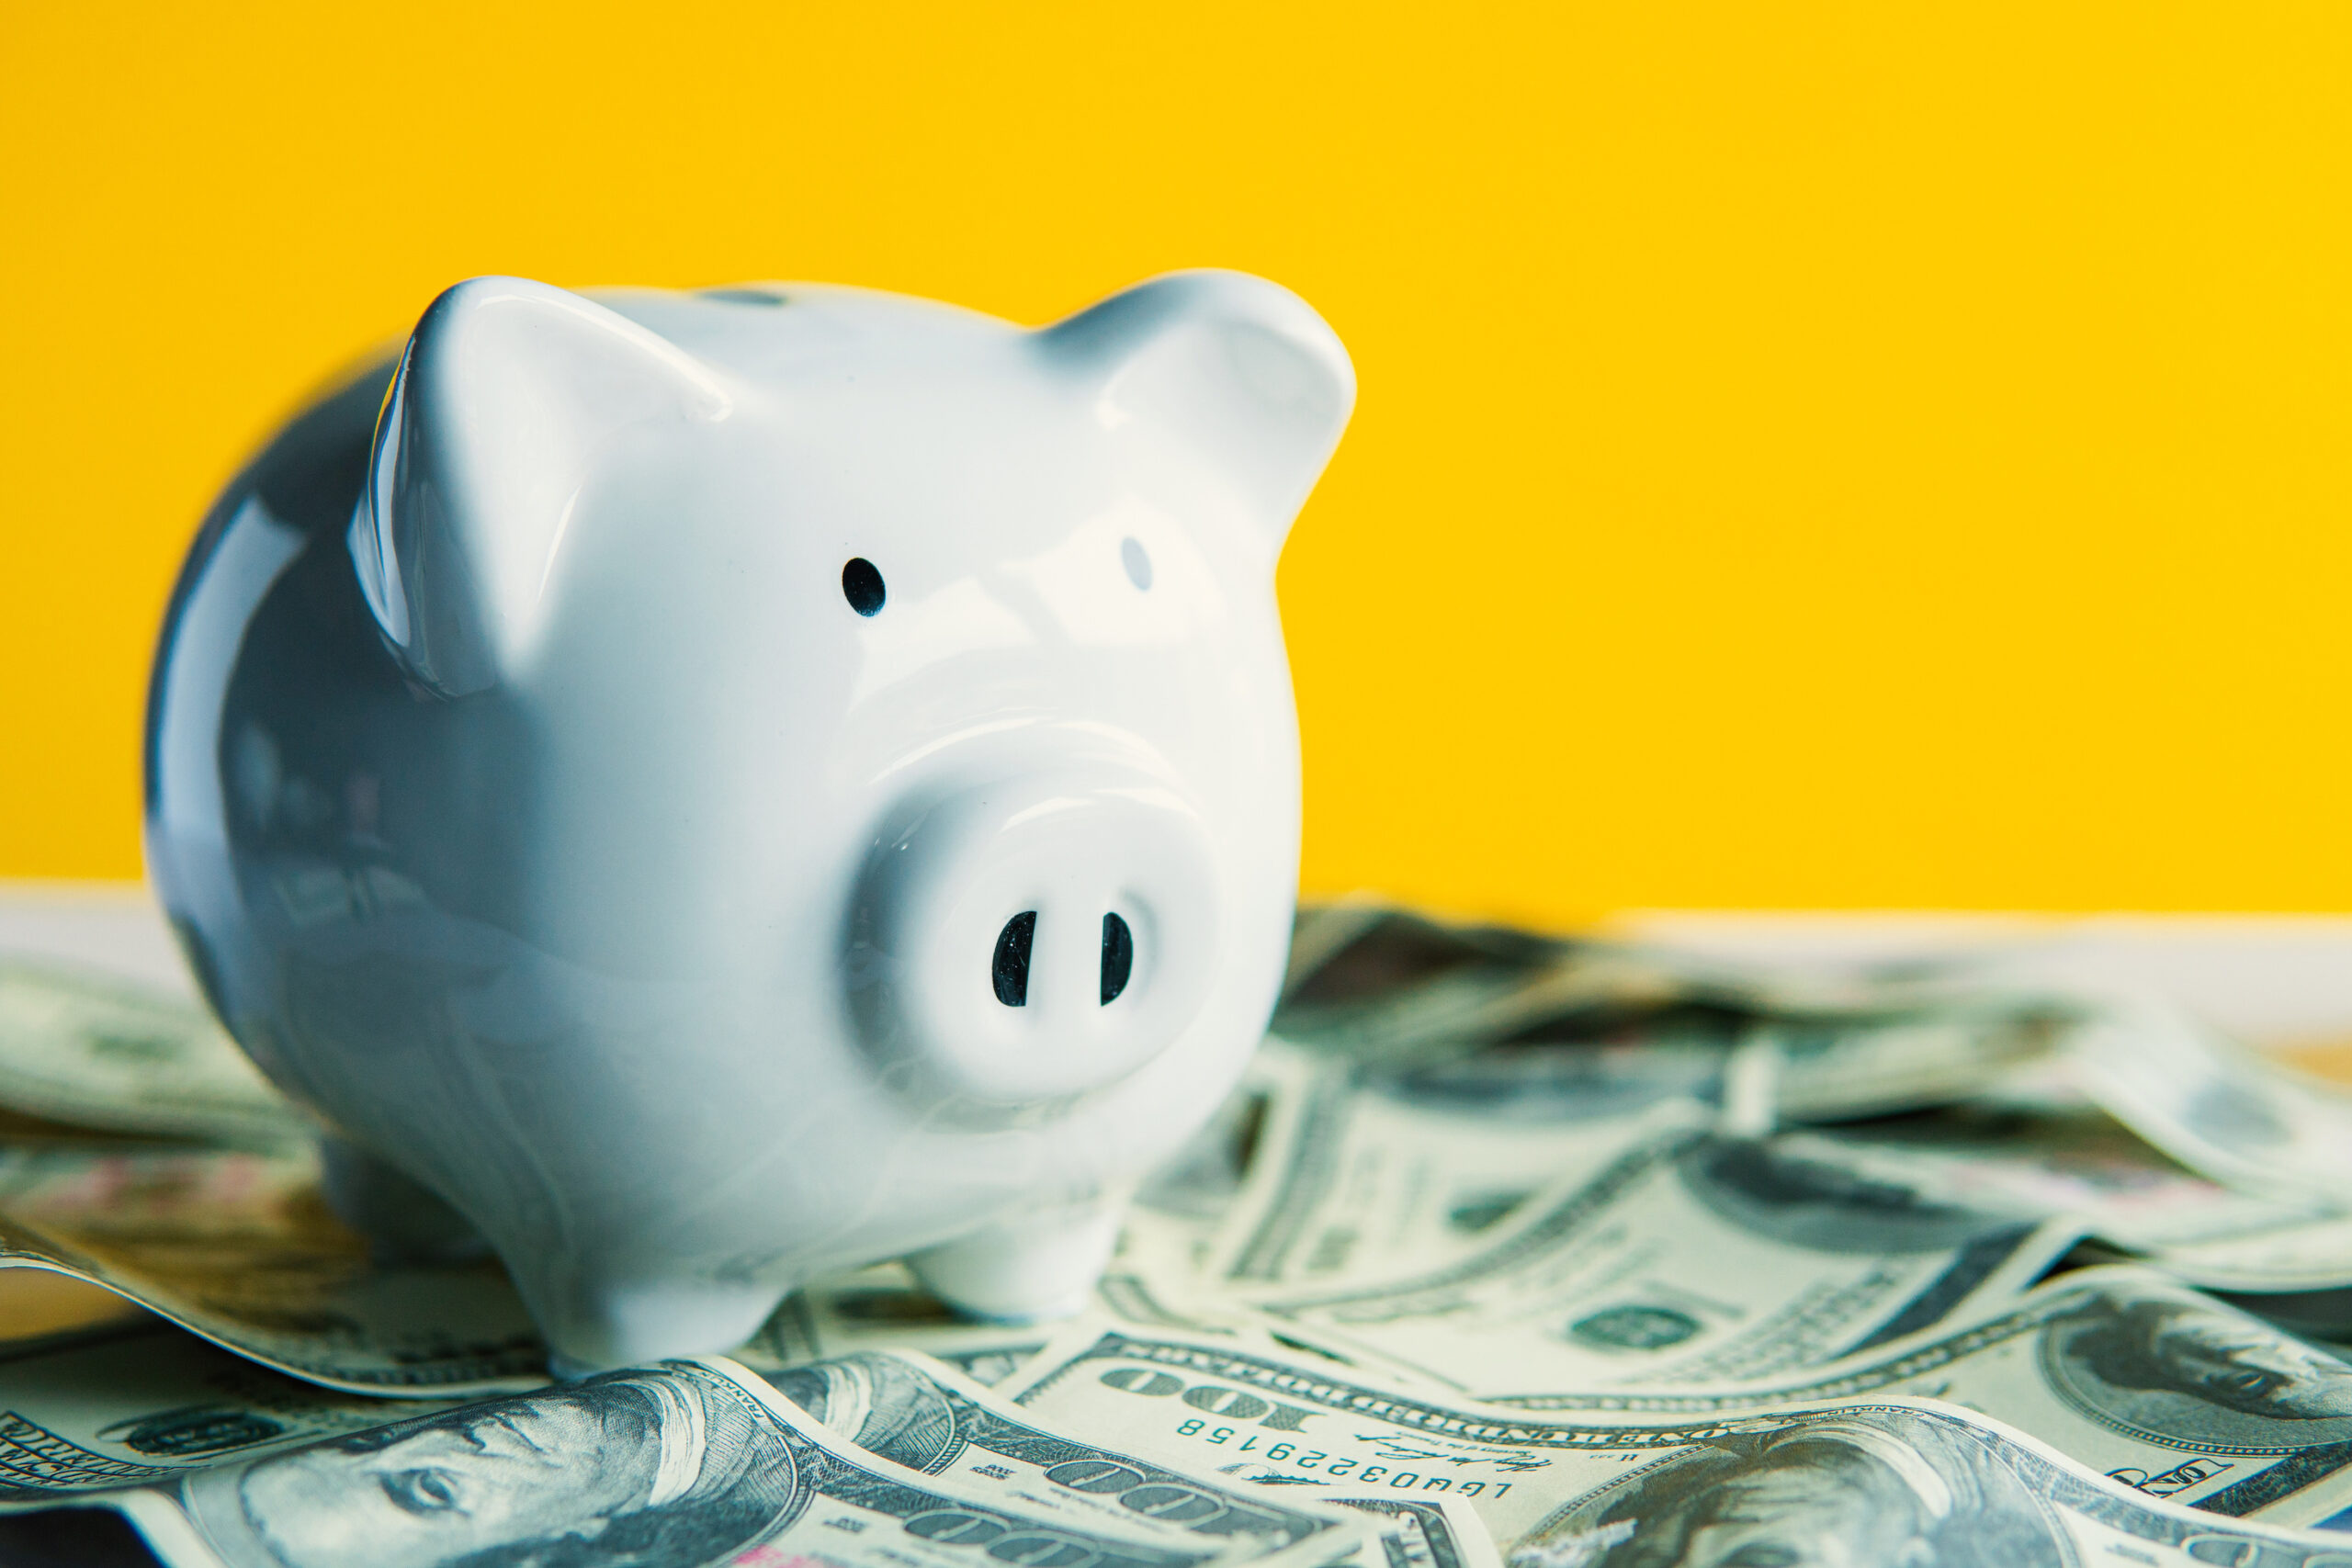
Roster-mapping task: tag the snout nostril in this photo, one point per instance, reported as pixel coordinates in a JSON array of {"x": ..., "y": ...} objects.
[
  {"x": 1011, "y": 970},
  {"x": 1118, "y": 957}
]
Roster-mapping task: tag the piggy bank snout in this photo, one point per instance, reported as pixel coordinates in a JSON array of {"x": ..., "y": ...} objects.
[{"x": 1035, "y": 938}]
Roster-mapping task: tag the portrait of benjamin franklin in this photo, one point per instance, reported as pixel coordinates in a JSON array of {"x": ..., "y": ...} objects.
[
  {"x": 672, "y": 1467},
  {"x": 1824, "y": 1206},
  {"x": 879, "y": 1403},
  {"x": 1868, "y": 1488},
  {"x": 2181, "y": 1371}
]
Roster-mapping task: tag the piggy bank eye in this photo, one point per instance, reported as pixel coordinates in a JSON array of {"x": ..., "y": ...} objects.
[
  {"x": 1138, "y": 564},
  {"x": 862, "y": 585}
]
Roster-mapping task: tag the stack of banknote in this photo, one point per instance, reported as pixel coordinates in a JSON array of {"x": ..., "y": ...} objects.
[{"x": 1509, "y": 1250}]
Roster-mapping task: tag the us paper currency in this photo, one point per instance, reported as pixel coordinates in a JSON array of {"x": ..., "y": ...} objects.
[
  {"x": 142, "y": 1404},
  {"x": 1187, "y": 1203},
  {"x": 2292, "y": 1256},
  {"x": 1370, "y": 1172},
  {"x": 92, "y": 1051},
  {"x": 2213, "y": 1106},
  {"x": 1424, "y": 1532},
  {"x": 1369, "y": 981},
  {"x": 1384, "y": 986},
  {"x": 237, "y": 1245},
  {"x": 2050, "y": 1156},
  {"x": 1629, "y": 1258},
  {"x": 688, "y": 1464},
  {"x": 222, "y": 1463},
  {"x": 1371, "y": 1167},
  {"x": 1402, "y": 990},
  {"x": 1929, "y": 1053},
  {"x": 1876, "y": 1481},
  {"x": 883, "y": 1306},
  {"x": 920, "y": 1413},
  {"x": 1689, "y": 1257},
  {"x": 2156, "y": 1386},
  {"x": 2053, "y": 1152},
  {"x": 1367, "y": 1171}
]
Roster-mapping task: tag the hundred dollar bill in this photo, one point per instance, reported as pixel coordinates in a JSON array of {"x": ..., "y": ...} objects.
[
  {"x": 1377, "y": 984},
  {"x": 1372, "y": 983},
  {"x": 1384, "y": 986},
  {"x": 1929, "y": 1053},
  {"x": 1200, "y": 1181},
  {"x": 1162, "y": 1273},
  {"x": 2159, "y": 1387},
  {"x": 1365, "y": 978},
  {"x": 94, "y": 1051},
  {"x": 2299, "y": 1255},
  {"x": 682, "y": 1465},
  {"x": 1370, "y": 1167},
  {"x": 1902, "y": 1482},
  {"x": 139, "y": 1402},
  {"x": 1358, "y": 948},
  {"x": 1184, "y": 1205},
  {"x": 2045, "y": 1155},
  {"x": 920, "y": 1413},
  {"x": 2217, "y": 1107},
  {"x": 1320, "y": 932},
  {"x": 1689, "y": 1257},
  {"x": 1154, "y": 1279},
  {"x": 884, "y": 1305},
  {"x": 144, "y": 1405},
  {"x": 1827, "y": 1057},
  {"x": 1424, "y": 1532},
  {"x": 1387, "y": 988},
  {"x": 1369, "y": 1170},
  {"x": 2049, "y": 1151},
  {"x": 238, "y": 1246}
]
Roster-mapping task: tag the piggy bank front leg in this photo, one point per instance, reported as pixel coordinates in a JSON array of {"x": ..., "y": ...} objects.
[
  {"x": 1039, "y": 1264},
  {"x": 593, "y": 1323}
]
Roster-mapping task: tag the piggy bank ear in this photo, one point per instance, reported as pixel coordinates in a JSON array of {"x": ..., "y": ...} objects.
[
  {"x": 1242, "y": 370},
  {"x": 509, "y": 396}
]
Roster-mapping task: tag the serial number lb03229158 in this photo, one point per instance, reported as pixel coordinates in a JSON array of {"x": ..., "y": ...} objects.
[
  {"x": 1300, "y": 1457},
  {"x": 1221, "y": 1404}
]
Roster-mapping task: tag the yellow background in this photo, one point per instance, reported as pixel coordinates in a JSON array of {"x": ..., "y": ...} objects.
[{"x": 1809, "y": 455}]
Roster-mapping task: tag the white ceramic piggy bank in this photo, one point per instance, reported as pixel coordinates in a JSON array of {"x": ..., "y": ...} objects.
[{"x": 724, "y": 787}]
